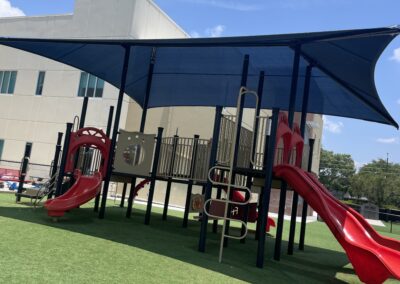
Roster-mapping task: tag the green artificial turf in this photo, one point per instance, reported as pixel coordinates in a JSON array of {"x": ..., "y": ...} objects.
[{"x": 80, "y": 248}]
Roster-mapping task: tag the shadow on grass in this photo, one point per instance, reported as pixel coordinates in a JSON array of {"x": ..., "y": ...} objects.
[{"x": 168, "y": 238}]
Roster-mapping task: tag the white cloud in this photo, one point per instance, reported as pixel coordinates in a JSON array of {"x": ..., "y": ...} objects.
[
  {"x": 7, "y": 10},
  {"x": 396, "y": 56},
  {"x": 215, "y": 31},
  {"x": 331, "y": 126},
  {"x": 392, "y": 140},
  {"x": 228, "y": 4}
]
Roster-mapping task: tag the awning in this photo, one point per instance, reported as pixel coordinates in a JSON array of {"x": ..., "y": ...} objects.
[{"x": 207, "y": 71}]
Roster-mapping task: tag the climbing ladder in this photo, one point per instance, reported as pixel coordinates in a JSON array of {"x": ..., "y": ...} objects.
[{"x": 229, "y": 170}]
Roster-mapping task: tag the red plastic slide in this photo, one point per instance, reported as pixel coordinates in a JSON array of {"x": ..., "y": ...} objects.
[
  {"x": 374, "y": 258},
  {"x": 84, "y": 189},
  {"x": 385, "y": 241}
]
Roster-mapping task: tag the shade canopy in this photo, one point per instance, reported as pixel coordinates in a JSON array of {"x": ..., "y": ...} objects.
[{"x": 207, "y": 71}]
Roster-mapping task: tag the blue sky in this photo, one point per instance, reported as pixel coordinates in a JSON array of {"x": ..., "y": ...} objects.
[{"x": 363, "y": 140}]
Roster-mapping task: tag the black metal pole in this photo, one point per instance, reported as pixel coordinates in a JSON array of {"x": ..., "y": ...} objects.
[
  {"x": 115, "y": 132},
  {"x": 24, "y": 169},
  {"x": 123, "y": 195},
  {"x": 83, "y": 112},
  {"x": 305, "y": 205},
  {"x": 153, "y": 175},
  {"x": 56, "y": 159},
  {"x": 108, "y": 132},
  {"x": 282, "y": 197},
  {"x": 141, "y": 129},
  {"x": 148, "y": 89},
  {"x": 64, "y": 157},
  {"x": 208, "y": 188},
  {"x": 81, "y": 125},
  {"x": 260, "y": 198},
  {"x": 295, "y": 200},
  {"x": 166, "y": 202},
  {"x": 170, "y": 172},
  {"x": 269, "y": 164},
  {"x": 190, "y": 182},
  {"x": 131, "y": 197},
  {"x": 249, "y": 179},
  {"x": 243, "y": 83}
]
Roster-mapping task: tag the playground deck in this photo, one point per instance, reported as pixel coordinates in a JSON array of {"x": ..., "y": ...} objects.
[{"x": 35, "y": 249}]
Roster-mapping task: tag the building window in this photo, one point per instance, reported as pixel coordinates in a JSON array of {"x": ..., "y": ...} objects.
[
  {"x": 40, "y": 82},
  {"x": 7, "y": 81},
  {"x": 90, "y": 86}
]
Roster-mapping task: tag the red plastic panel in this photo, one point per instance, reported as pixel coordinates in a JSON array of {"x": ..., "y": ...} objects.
[{"x": 90, "y": 137}]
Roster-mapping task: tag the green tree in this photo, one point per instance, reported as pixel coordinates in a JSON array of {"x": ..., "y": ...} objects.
[
  {"x": 336, "y": 170},
  {"x": 379, "y": 181}
]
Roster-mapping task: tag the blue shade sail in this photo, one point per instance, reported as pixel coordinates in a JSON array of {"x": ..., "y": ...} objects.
[{"x": 207, "y": 71}]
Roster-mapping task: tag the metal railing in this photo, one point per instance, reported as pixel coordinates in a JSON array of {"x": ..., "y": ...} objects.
[
  {"x": 89, "y": 160},
  {"x": 35, "y": 170},
  {"x": 177, "y": 158}
]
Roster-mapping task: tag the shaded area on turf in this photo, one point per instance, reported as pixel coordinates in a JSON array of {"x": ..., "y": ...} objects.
[{"x": 169, "y": 239}]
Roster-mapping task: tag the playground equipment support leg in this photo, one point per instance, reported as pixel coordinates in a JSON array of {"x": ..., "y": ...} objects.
[
  {"x": 63, "y": 160},
  {"x": 249, "y": 178},
  {"x": 130, "y": 198},
  {"x": 305, "y": 206},
  {"x": 295, "y": 200},
  {"x": 263, "y": 190},
  {"x": 24, "y": 169},
  {"x": 123, "y": 195},
  {"x": 187, "y": 204},
  {"x": 166, "y": 202},
  {"x": 56, "y": 159},
  {"x": 115, "y": 132},
  {"x": 83, "y": 112},
  {"x": 282, "y": 197},
  {"x": 243, "y": 83},
  {"x": 148, "y": 89},
  {"x": 153, "y": 176},
  {"x": 269, "y": 163},
  {"x": 190, "y": 184},
  {"x": 108, "y": 132},
  {"x": 208, "y": 188}
]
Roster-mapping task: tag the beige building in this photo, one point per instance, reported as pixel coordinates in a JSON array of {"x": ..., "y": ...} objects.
[{"x": 38, "y": 96}]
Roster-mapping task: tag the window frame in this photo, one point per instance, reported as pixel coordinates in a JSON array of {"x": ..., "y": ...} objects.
[
  {"x": 9, "y": 88},
  {"x": 85, "y": 86},
  {"x": 39, "y": 88}
]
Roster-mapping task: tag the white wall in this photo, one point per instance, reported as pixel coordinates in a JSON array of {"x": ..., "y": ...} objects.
[{"x": 26, "y": 117}]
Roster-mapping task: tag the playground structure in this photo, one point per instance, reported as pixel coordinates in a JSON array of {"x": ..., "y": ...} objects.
[{"x": 232, "y": 160}]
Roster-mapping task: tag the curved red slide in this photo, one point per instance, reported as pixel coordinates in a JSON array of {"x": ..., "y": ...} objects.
[
  {"x": 84, "y": 189},
  {"x": 373, "y": 259},
  {"x": 385, "y": 241},
  {"x": 238, "y": 197}
]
